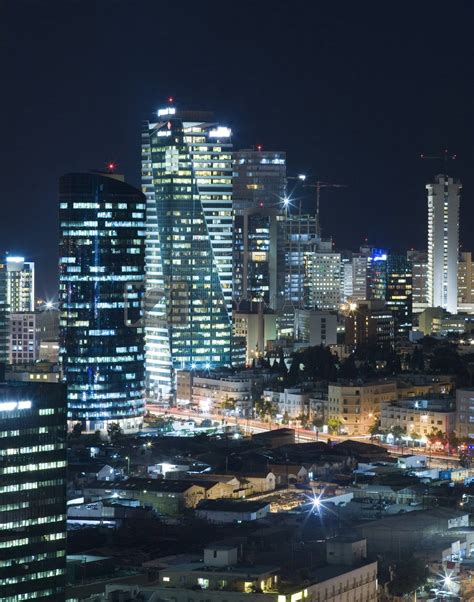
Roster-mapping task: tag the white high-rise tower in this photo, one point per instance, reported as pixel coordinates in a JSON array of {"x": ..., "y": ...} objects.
[{"x": 443, "y": 242}]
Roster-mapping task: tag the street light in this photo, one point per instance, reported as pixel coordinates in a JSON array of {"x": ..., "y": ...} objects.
[{"x": 128, "y": 463}]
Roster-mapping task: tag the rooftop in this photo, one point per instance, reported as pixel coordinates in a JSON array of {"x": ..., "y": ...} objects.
[{"x": 231, "y": 505}]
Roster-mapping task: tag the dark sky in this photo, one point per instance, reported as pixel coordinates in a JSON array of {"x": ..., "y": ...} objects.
[{"x": 353, "y": 91}]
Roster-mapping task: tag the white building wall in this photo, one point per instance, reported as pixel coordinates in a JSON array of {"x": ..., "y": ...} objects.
[{"x": 443, "y": 242}]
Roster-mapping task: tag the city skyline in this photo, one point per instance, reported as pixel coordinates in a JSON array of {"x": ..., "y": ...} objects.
[{"x": 326, "y": 113}]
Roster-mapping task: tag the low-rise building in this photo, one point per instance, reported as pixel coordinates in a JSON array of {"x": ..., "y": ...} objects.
[
  {"x": 230, "y": 511},
  {"x": 292, "y": 402},
  {"x": 165, "y": 496},
  {"x": 419, "y": 416},
  {"x": 401, "y": 534},
  {"x": 215, "y": 391},
  {"x": 465, "y": 412},
  {"x": 220, "y": 576},
  {"x": 355, "y": 406}
]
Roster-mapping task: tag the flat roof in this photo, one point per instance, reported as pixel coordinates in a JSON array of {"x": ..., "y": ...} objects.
[{"x": 224, "y": 505}]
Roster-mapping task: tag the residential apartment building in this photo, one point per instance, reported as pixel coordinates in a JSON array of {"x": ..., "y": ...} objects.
[
  {"x": 356, "y": 406},
  {"x": 419, "y": 416}
]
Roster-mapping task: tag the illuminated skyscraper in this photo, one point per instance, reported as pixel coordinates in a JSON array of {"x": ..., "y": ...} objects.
[
  {"x": 33, "y": 491},
  {"x": 4, "y": 315},
  {"x": 399, "y": 295},
  {"x": 187, "y": 180},
  {"x": 443, "y": 242},
  {"x": 258, "y": 248},
  {"x": 419, "y": 266},
  {"x": 20, "y": 284},
  {"x": 101, "y": 287}
]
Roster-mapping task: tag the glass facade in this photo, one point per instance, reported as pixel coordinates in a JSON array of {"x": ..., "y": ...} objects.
[
  {"x": 32, "y": 491},
  {"x": 102, "y": 222},
  {"x": 4, "y": 315},
  {"x": 399, "y": 293},
  {"x": 187, "y": 179},
  {"x": 20, "y": 284}
]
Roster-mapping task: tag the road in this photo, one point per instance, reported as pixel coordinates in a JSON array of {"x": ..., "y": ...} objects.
[{"x": 248, "y": 425}]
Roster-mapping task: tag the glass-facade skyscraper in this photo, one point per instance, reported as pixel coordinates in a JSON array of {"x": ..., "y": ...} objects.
[
  {"x": 4, "y": 315},
  {"x": 187, "y": 180},
  {"x": 32, "y": 491},
  {"x": 259, "y": 246},
  {"x": 102, "y": 221}
]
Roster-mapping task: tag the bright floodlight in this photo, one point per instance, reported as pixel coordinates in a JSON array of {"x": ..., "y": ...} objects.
[
  {"x": 208, "y": 365},
  {"x": 193, "y": 366},
  {"x": 302, "y": 177},
  {"x": 286, "y": 201},
  {"x": 49, "y": 305}
]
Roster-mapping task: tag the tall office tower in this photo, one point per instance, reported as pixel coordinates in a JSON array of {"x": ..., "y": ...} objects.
[
  {"x": 359, "y": 277},
  {"x": 259, "y": 177},
  {"x": 399, "y": 297},
  {"x": 370, "y": 323},
  {"x": 301, "y": 239},
  {"x": 443, "y": 242},
  {"x": 347, "y": 284},
  {"x": 187, "y": 180},
  {"x": 4, "y": 315},
  {"x": 419, "y": 266},
  {"x": 258, "y": 243},
  {"x": 20, "y": 284},
  {"x": 377, "y": 274},
  {"x": 33, "y": 491},
  {"x": 258, "y": 255},
  {"x": 323, "y": 280},
  {"x": 102, "y": 221},
  {"x": 24, "y": 344},
  {"x": 465, "y": 279}
]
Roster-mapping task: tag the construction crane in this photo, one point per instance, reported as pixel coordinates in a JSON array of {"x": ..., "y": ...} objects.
[
  {"x": 445, "y": 157},
  {"x": 318, "y": 185}
]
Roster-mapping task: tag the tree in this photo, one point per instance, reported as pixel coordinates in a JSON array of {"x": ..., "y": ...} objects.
[
  {"x": 281, "y": 361},
  {"x": 334, "y": 424},
  {"x": 114, "y": 431},
  {"x": 410, "y": 573},
  {"x": 348, "y": 369},
  {"x": 453, "y": 441},
  {"x": 263, "y": 408},
  {"x": 229, "y": 403},
  {"x": 374, "y": 428},
  {"x": 304, "y": 419},
  {"x": 397, "y": 432},
  {"x": 436, "y": 436},
  {"x": 77, "y": 430},
  {"x": 286, "y": 418}
]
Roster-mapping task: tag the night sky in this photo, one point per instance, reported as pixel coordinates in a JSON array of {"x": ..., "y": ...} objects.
[{"x": 352, "y": 91}]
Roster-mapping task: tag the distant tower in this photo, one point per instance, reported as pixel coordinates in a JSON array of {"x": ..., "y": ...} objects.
[
  {"x": 258, "y": 243},
  {"x": 102, "y": 268},
  {"x": 187, "y": 179},
  {"x": 20, "y": 284},
  {"x": 443, "y": 242}
]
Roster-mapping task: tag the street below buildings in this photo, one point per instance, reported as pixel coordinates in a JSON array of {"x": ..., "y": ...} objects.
[{"x": 436, "y": 459}]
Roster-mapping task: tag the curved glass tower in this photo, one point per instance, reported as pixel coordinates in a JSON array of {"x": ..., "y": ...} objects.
[
  {"x": 187, "y": 179},
  {"x": 101, "y": 288}
]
